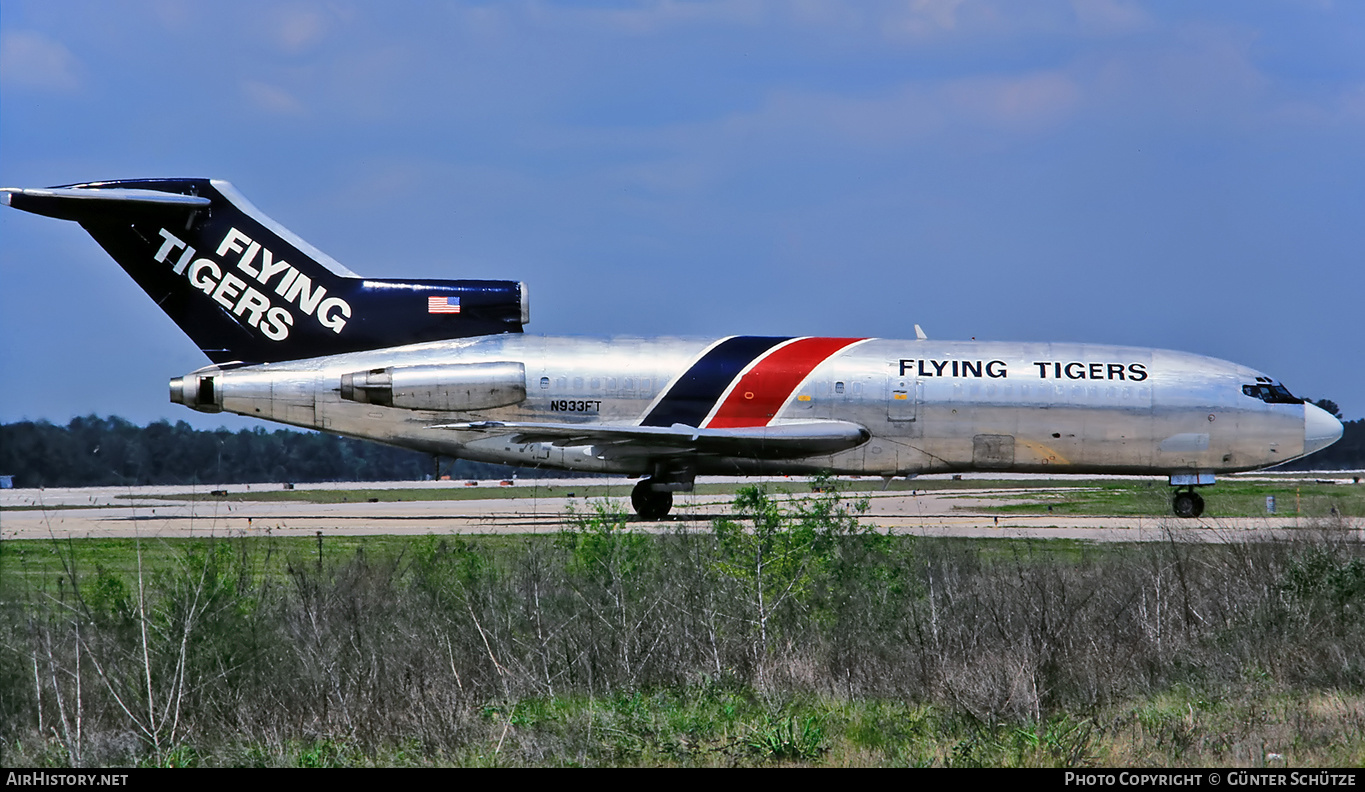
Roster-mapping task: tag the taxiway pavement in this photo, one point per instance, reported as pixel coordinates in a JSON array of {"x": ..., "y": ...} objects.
[{"x": 156, "y": 512}]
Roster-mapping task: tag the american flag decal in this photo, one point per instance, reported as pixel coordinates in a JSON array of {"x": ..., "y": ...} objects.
[{"x": 438, "y": 305}]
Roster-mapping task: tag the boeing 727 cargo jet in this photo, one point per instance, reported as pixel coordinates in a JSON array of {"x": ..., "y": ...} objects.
[{"x": 442, "y": 366}]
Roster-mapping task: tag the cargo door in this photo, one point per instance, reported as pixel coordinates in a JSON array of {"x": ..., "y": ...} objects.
[{"x": 906, "y": 395}]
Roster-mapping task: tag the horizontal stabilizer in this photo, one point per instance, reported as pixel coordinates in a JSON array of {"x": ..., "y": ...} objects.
[
  {"x": 244, "y": 288},
  {"x": 778, "y": 441},
  {"x": 83, "y": 204}
]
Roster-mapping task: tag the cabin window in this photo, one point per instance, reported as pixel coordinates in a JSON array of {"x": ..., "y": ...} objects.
[
  {"x": 596, "y": 383},
  {"x": 838, "y": 387},
  {"x": 577, "y": 384},
  {"x": 611, "y": 383},
  {"x": 544, "y": 383}
]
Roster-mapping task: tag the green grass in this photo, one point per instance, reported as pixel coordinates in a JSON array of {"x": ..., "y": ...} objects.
[
  {"x": 47, "y": 559},
  {"x": 1229, "y": 498},
  {"x": 363, "y": 495},
  {"x": 714, "y": 725},
  {"x": 43, "y": 561},
  {"x": 526, "y": 490}
]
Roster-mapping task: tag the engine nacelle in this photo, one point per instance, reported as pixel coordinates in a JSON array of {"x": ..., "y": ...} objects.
[
  {"x": 198, "y": 392},
  {"x": 456, "y": 388}
]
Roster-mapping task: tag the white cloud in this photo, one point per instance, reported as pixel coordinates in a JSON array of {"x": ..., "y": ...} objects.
[
  {"x": 271, "y": 98},
  {"x": 1109, "y": 17},
  {"x": 1351, "y": 102},
  {"x": 32, "y": 60},
  {"x": 1022, "y": 102},
  {"x": 940, "y": 13},
  {"x": 660, "y": 15},
  {"x": 1197, "y": 74},
  {"x": 1342, "y": 107},
  {"x": 295, "y": 28}
]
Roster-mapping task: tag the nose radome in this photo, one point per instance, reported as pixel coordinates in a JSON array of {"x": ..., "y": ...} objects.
[{"x": 1320, "y": 428}]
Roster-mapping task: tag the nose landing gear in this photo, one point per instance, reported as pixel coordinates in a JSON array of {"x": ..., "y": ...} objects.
[{"x": 1188, "y": 504}]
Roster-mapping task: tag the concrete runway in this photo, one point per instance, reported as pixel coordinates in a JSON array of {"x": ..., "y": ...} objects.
[{"x": 137, "y": 511}]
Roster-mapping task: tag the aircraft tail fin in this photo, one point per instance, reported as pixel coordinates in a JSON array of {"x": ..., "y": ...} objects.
[{"x": 246, "y": 289}]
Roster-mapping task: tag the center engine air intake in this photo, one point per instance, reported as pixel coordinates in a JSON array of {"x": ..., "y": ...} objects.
[
  {"x": 198, "y": 392},
  {"x": 455, "y": 388}
]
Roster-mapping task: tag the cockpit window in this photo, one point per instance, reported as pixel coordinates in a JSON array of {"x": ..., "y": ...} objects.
[{"x": 1271, "y": 393}]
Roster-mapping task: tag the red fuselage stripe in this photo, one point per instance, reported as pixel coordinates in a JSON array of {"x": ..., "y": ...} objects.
[{"x": 763, "y": 390}]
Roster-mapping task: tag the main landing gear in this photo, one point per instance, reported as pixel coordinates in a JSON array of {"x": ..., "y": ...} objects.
[
  {"x": 653, "y": 494},
  {"x": 649, "y": 503}
]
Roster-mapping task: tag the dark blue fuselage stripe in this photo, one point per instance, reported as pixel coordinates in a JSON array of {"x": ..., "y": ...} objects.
[{"x": 698, "y": 390}]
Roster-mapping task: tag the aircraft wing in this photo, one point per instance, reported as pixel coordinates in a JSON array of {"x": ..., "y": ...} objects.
[{"x": 778, "y": 441}]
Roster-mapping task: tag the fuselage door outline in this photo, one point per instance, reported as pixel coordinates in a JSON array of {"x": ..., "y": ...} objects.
[{"x": 906, "y": 394}]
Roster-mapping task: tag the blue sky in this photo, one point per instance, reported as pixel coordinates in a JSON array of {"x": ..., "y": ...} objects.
[{"x": 1166, "y": 174}]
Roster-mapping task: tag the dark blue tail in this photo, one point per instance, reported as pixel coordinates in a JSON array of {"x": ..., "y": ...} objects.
[{"x": 246, "y": 289}]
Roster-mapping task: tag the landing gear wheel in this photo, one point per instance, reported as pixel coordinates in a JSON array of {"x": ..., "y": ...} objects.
[
  {"x": 650, "y": 505},
  {"x": 1188, "y": 504}
]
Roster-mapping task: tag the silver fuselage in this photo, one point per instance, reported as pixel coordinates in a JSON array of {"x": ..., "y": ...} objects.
[{"x": 927, "y": 406}]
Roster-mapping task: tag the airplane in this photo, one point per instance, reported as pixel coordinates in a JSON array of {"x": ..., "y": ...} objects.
[{"x": 443, "y": 367}]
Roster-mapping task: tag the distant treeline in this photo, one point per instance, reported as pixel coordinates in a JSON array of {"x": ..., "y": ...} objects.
[{"x": 94, "y": 451}]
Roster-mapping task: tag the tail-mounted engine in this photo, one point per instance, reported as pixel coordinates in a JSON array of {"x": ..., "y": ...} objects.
[
  {"x": 198, "y": 391},
  {"x": 456, "y": 388}
]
